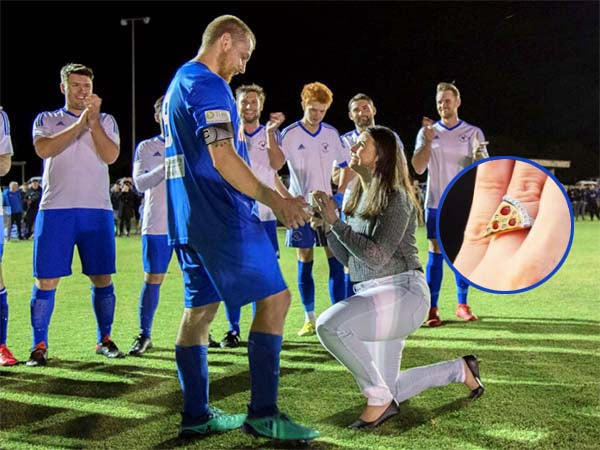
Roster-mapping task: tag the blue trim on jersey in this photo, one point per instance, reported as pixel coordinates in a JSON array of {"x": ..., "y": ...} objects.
[
  {"x": 289, "y": 128},
  {"x": 6, "y": 123},
  {"x": 160, "y": 138},
  {"x": 350, "y": 133},
  {"x": 460, "y": 122},
  {"x": 260, "y": 127},
  {"x": 308, "y": 132},
  {"x": 343, "y": 164},
  {"x": 69, "y": 112}
]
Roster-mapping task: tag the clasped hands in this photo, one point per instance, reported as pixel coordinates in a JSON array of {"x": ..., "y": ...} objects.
[{"x": 324, "y": 210}]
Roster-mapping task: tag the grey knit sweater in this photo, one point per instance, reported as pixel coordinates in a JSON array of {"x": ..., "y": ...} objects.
[{"x": 383, "y": 246}]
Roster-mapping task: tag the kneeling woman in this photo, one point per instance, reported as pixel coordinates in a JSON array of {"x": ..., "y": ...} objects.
[{"x": 366, "y": 332}]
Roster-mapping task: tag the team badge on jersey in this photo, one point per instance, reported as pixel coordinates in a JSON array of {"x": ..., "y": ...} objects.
[{"x": 324, "y": 147}]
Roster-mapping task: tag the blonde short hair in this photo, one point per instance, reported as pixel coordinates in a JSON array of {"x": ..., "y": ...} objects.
[
  {"x": 226, "y": 24},
  {"x": 441, "y": 87}
]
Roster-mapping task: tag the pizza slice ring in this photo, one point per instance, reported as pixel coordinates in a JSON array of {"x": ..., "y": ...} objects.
[{"x": 510, "y": 215}]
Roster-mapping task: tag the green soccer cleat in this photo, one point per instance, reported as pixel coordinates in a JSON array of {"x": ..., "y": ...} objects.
[
  {"x": 218, "y": 423},
  {"x": 280, "y": 427}
]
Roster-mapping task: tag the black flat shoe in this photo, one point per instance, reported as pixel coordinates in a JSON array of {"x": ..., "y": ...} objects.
[
  {"x": 391, "y": 410},
  {"x": 473, "y": 366}
]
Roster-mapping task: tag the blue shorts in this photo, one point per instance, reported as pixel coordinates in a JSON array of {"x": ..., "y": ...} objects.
[
  {"x": 57, "y": 231},
  {"x": 270, "y": 227},
  {"x": 430, "y": 219},
  {"x": 305, "y": 237},
  {"x": 235, "y": 271},
  {"x": 156, "y": 253}
]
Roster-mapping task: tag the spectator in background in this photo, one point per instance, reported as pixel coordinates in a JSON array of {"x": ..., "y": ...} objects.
[
  {"x": 16, "y": 209},
  {"x": 591, "y": 201},
  {"x": 115, "y": 192},
  {"x": 32, "y": 202},
  {"x": 126, "y": 207}
]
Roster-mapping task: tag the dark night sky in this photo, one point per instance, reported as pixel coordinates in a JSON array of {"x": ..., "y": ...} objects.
[{"x": 528, "y": 72}]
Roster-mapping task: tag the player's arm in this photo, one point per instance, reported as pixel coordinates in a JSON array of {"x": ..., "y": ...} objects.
[
  {"x": 422, "y": 153},
  {"x": 106, "y": 148},
  {"x": 5, "y": 163},
  {"x": 145, "y": 174},
  {"x": 219, "y": 139},
  {"x": 48, "y": 146},
  {"x": 280, "y": 187},
  {"x": 276, "y": 155}
]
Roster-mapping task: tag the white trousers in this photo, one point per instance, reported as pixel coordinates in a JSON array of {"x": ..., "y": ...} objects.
[{"x": 366, "y": 333}]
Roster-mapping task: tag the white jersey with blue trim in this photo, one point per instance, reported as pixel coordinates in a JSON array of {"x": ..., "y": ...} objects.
[
  {"x": 149, "y": 178},
  {"x": 256, "y": 142},
  {"x": 76, "y": 177},
  {"x": 312, "y": 156},
  {"x": 6, "y": 147},
  {"x": 350, "y": 138},
  {"x": 451, "y": 149}
]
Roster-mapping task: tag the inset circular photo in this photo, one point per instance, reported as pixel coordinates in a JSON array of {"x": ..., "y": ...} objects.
[{"x": 505, "y": 224}]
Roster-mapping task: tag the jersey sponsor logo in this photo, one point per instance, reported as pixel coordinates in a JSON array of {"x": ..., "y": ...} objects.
[
  {"x": 301, "y": 147},
  {"x": 217, "y": 116},
  {"x": 60, "y": 124},
  {"x": 324, "y": 147},
  {"x": 174, "y": 167},
  {"x": 157, "y": 154}
]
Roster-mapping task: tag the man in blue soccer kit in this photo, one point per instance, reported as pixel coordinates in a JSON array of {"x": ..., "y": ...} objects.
[
  {"x": 149, "y": 178},
  {"x": 312, "y": 149},
  {"x": 6, "y": 152},
  {"x": 222, "y": 248},
  {"x": 262, "y": 143},
  {"x": 76, "y": 142},
  {"x": 443, "y": 148}
]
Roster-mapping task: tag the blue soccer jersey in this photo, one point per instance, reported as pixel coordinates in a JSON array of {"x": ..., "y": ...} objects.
[
  {"x": 212, "y": 225},
  {"x": 196, "y": 193}
]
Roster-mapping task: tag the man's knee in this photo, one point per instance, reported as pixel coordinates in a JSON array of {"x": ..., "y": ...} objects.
[
  {"x": 100, "y": 281},
  {"x": 434, "y": 246},
  {"x": 47, "y": 284}
]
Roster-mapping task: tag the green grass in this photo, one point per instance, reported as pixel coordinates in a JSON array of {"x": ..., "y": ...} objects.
[{"x": 539, "y": 352}]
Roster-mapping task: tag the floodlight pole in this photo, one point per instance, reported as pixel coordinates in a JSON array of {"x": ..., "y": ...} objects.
[{"x": 124, "y": 22}]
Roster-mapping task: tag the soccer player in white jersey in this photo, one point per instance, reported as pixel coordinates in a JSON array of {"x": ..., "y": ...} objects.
[
  {"x": 443, "y": 148},
  {"x": 6, "y": 151},
  {"x": 312, "y": 149},
  {"x": 149, "y": 178},
  {"x": 265, "y": 156},
  {"x": 76, "y": 142},
  {"x": 361, "y": 111}
]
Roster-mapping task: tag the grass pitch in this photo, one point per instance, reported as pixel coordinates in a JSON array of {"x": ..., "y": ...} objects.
[{"x": 538, "y": 350}]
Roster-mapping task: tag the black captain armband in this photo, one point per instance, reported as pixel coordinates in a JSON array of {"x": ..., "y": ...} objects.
[{"x": 217, "y": 132}]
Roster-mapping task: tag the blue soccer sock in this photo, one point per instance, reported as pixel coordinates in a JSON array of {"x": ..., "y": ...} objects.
[
  {"x": 192, "y": 370},
  {"x": 462, "y": 288},
  {"x": 233, "y": 314},
  {"x": 337, "y": 288},
  {"x": 348, "y": 285},
  {"x": 3, "y": 316},
  {"x": 41, "y": 307},
  {"x": 103, "y": 301},
  {"x": 434, "y": 273},
  {"x": 263, "y": 357},
  {"x": 306, "y": 285},
  {"x": 147, "y": 306}
]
